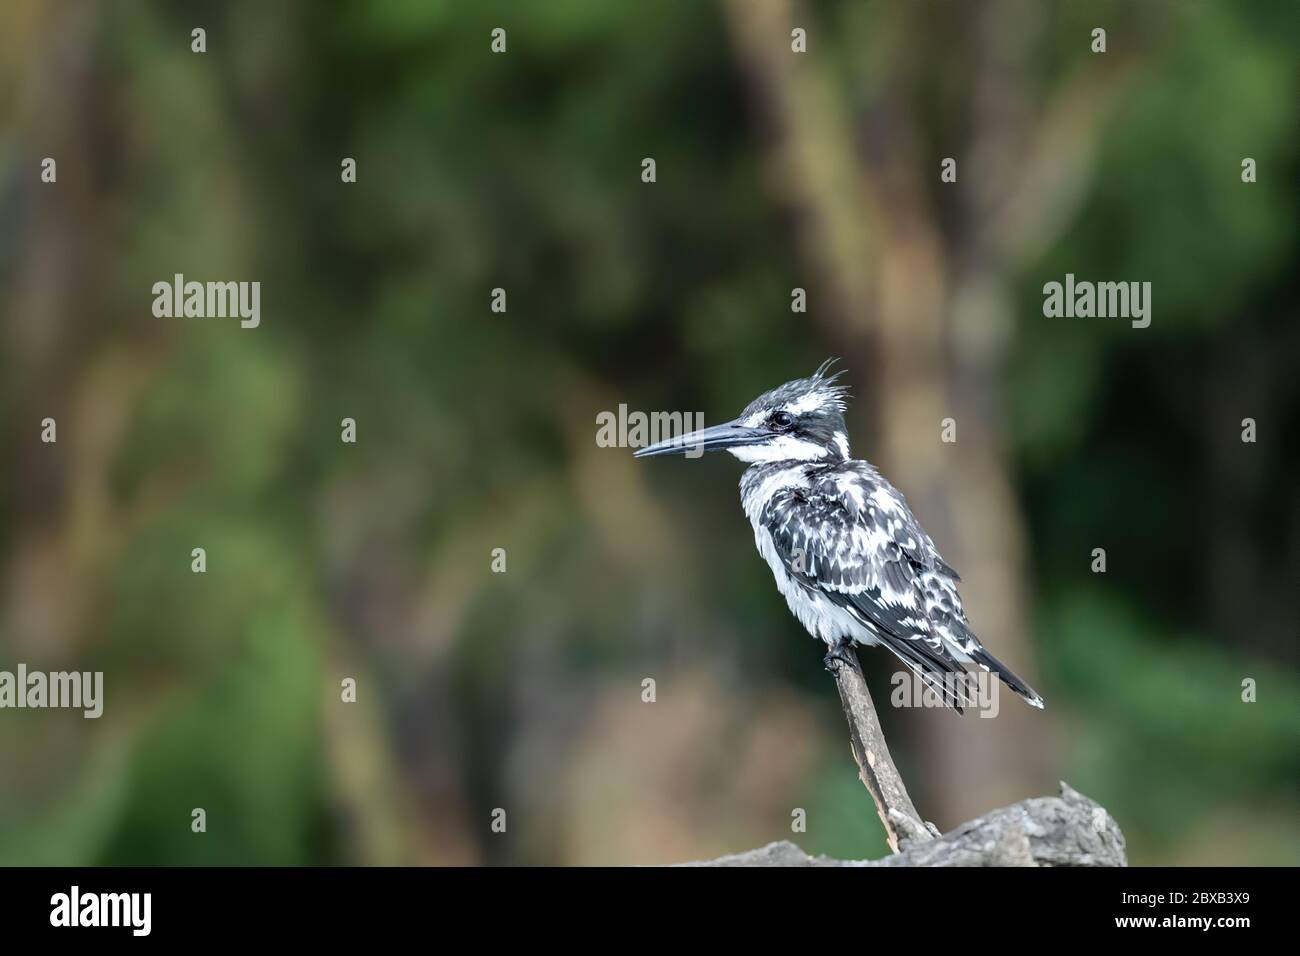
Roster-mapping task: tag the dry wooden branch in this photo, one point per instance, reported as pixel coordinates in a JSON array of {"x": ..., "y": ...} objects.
[
  {"x": 876, "y": 770},
  {"x": 1069, "y": 830}
]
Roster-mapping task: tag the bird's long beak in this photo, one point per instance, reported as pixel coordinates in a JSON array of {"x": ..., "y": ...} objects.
[{"x": 692, "y": 444}]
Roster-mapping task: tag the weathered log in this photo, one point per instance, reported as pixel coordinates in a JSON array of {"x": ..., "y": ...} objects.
[{"x": 1069, "y": 830}]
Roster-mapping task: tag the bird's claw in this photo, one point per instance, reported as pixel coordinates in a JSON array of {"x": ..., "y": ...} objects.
[{"x": 836, "y": 658}]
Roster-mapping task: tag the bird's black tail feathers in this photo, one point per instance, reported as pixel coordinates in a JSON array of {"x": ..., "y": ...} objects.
[
  {"x": 987, "y": 660},
  {"x": 944, "y": 676},
  {"x": 939, "y": 673}
]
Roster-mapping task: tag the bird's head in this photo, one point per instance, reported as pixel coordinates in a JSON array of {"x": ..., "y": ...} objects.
[{"x": 801, "y": 420}]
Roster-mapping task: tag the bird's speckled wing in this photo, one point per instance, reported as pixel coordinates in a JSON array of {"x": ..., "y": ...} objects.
[{"x": 849, "y": 534}]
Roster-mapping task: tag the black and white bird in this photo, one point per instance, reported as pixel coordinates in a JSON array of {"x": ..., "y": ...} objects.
[{"x": 853, "y": 563}]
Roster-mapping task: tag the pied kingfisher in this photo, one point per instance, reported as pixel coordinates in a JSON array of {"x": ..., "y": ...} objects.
[{"x": 853, "y": 563}]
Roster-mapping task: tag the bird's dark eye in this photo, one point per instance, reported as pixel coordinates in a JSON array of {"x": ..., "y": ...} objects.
[{"x": 782, "y": 419}]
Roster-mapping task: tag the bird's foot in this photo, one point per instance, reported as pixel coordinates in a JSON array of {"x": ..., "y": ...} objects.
[{"x": 837, "y": 657}]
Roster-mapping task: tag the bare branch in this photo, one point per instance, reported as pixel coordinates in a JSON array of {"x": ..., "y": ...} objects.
[{"x": 876, "y": 770}]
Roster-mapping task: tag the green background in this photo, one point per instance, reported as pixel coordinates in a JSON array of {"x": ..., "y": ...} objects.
[{"x": 476, "y": 430}]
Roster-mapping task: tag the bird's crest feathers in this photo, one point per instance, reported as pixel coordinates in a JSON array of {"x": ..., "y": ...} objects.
[{"x": 816, "y": 392}]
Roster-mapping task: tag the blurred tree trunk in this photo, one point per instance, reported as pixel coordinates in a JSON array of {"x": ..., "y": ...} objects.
[
  {"x": 55, "y": 496},
  {"x": 924, "y": 314}
]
